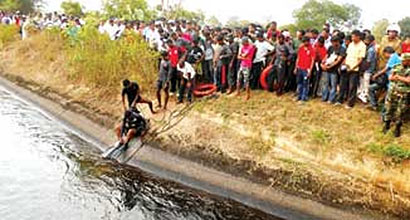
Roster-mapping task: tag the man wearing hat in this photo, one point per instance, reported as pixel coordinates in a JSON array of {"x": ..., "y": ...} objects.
[
  {"x": 398, "y": 95},
  {"x": 390, "y": 40}
]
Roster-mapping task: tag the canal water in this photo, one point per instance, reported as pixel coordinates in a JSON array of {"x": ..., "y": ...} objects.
[{"x": 48, "y": 171}]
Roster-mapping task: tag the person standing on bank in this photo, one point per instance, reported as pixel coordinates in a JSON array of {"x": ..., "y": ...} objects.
[
  {"x": 188, "y": 80},
  {"x": 132, "y": 91},
  {"x": 330, "y": 65},
  {"x": 356, "y": 52},
  {"x": 303, "y": 70},
  {"x": 398, "y": 95}
]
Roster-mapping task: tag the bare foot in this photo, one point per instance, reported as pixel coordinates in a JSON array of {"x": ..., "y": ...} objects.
[{"x": 248, "y": 97}]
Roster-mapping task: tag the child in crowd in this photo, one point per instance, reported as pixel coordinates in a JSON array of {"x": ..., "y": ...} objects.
[{"x": 245, "y": 56}]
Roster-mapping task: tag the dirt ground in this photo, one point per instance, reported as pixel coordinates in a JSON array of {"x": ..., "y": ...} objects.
[{"x": 316, "y": 151}]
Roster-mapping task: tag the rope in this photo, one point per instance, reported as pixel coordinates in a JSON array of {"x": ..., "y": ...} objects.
[{"x": 179, "y": 115}]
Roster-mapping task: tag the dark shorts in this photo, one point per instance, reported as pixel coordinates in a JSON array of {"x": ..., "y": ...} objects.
[{"x": 161, "y": 84}]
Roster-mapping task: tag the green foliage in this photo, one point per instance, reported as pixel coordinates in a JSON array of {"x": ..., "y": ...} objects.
[
  {"x": 397, "y": 152},
  {"x": 321, "y": 137},
  {"x": 8, "y": 33},
  {"x": 234, "y": 22},
  {"x": 9, "y": 5},
  {"x": 291, "y": 27},
  {"x": 181, "y": 13},
  {"x": 72, "y": 8},
  {"x": 129, "y": 9},
  {"x": 379, "y": 29},
  {"x": 100, "y": 62},
  {"x": 314, "y": 14},
  {"x": 25, "y": 6},
  {"x": 213, "y": 21},
  {"x": 405, "y": 26}
]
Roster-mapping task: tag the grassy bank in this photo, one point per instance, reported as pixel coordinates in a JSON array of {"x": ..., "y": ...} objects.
[
  {"x": 87, "y": 69},
  {"x": 314, "y": 150}
]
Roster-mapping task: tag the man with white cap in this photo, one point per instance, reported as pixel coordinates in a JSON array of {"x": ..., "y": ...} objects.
[{"x": 390, "y": 40}]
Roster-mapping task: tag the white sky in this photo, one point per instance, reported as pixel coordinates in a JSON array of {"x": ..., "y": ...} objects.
[{"x": 279, "y": 10}]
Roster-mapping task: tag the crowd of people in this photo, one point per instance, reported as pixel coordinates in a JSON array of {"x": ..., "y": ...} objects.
[{"x": 339, "y": 68}]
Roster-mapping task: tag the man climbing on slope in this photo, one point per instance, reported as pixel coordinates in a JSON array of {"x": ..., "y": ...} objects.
[{"x": 132, "y": 91}]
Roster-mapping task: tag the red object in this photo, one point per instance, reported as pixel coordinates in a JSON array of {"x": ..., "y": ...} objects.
[
  {"x": 264, "y": 75},
  {"x": 321, "y": 52},
  {"x": 270, "y": 34},
  {"x": 405, "y": 47},
  {"x": 205, "y": 90},
  {"x": 173, "y": 56},
  {"x": 306, "y": 55},
  {"x": 223, "y": 75}
]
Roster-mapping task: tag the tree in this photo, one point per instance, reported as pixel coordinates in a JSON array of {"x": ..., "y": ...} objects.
[
  {"x": 9, "y": 5},
  {"x": 233, "y": 22},
  {"x": 25, "y": 6},
  {"x": 379, "y": 29},
  {"x": 292, "y": 28},
  {"x": 72, "y": 8},
  {"x": 405, "y": 26},
  {"x": 128, "y": 9},
  {"x": 314, "y": 14},
  {"x": 181, "y": 13},
  {"x": 213, "y": 21}
]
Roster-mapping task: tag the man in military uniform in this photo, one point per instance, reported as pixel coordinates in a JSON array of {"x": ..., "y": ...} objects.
[{"x": 398, "y": 95}]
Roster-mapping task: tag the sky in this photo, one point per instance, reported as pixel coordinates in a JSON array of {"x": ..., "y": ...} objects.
[{"x": 266, "y": 10}]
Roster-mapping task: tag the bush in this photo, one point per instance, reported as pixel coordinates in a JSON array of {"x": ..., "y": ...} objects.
[
  {"x": 8, "y": 33},
  {"x": 104, "y": 63}
]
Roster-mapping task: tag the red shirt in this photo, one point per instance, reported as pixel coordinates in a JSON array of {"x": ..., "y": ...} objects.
[
  {"x": 321, "y": 52},
  {"x": 405, "y": 48},
  {"x": 270, "y": 34},
  {"x": 306, "y": 55},
  {"x": 173, "y": 56}
]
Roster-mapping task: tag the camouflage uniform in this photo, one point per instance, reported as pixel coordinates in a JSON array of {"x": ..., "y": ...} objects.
[{"x": 397, "y": 97}]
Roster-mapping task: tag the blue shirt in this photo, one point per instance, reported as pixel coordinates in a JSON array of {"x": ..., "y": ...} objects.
[
  {"x": 371, "y": 59},
  {"x": 393, "y": 61}
]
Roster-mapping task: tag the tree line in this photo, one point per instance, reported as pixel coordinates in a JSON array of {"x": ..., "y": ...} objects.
[{"x": 312, "y": 14}]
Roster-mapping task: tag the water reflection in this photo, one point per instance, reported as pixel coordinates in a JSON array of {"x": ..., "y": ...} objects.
[{"x": 53, "y": 173}]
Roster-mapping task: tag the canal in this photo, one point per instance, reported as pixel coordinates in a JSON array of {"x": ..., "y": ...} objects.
[{"x": 48, "y": 171}]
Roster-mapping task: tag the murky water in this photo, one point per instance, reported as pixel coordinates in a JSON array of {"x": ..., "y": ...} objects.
[{"x": 49, "y": 172}]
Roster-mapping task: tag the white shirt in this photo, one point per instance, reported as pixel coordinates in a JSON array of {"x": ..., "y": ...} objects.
[
  {"x": 119, "y": 30},
  {"x": 101, "y": 29},
  {"x": 328, "y": 43},
  {"x": 154, "y": 38},
  {"x": 111, "y": 30},
  {"x": 187, "y": 69},
  {"x": 264, "y": 48}
]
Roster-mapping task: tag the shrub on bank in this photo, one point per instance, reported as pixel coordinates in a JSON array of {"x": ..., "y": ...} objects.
[
  {"x": 8, "y": 33},
  {"x": 101, "y": 62}
]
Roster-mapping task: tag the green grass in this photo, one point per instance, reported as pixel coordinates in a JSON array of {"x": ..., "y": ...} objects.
[
  {"x": 321, "y": 137},
  {"x": 395, "y": 151}
]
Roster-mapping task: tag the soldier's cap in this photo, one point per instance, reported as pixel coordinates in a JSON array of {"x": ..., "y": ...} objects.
[{"x": 405, "y": 56}]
